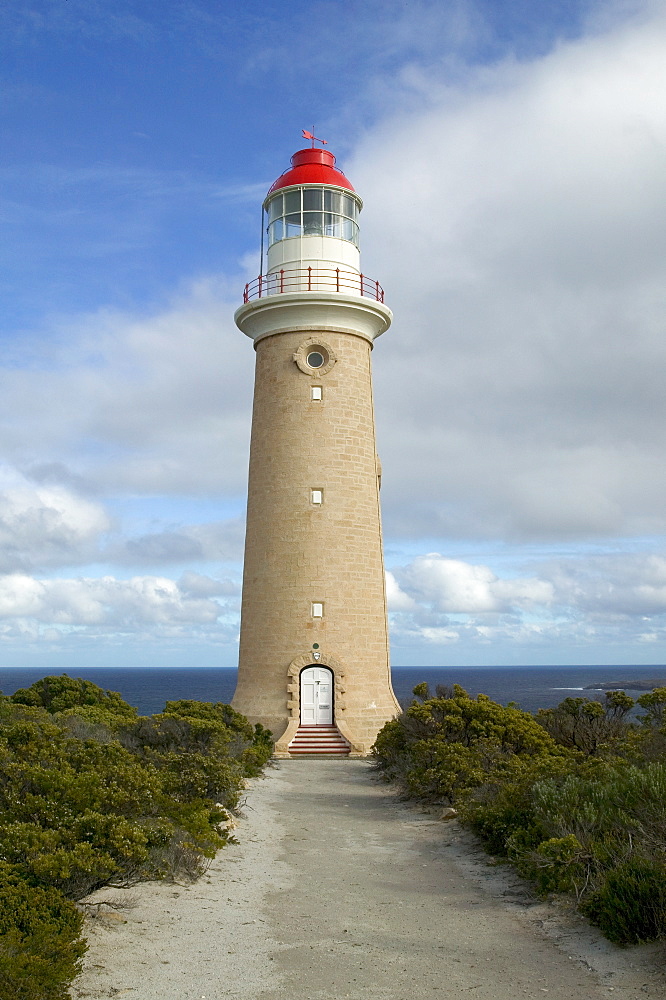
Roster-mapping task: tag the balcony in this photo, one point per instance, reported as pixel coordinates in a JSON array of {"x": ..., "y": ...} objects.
[{"x": 313, "y": 279}]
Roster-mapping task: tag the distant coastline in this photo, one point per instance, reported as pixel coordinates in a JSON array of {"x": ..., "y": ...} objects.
[
  {"x": 531, "y": 688},
  {"x": 636, "y": 685}
]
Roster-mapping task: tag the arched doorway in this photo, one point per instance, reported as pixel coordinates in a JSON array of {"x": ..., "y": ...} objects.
[{"x": 316, "y": 696}]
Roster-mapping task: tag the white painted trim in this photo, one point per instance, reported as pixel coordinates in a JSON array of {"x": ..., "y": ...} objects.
[{"x": 291, "y": 312}]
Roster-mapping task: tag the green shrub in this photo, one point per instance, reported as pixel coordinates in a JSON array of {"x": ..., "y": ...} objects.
[
  {"x": 575, "y": 798},
  {"x": 587, "y": 725},
  {"x": 630, "y": 905},
  {"x": 390, "y": 748},
  {"x": 91, "y": 794},
  {"x": 609, "y": 806},
  {"x": 444, "y": 747},
  {"x": 654, "y": 703},
  {"x": 57, "y": 694},
  {"x": 559, "y": 864},
  {"x": 40, "y": 943},
  {"x": 502, "y": 810},
  {"x": 216, "y": 711},
  {"x": 442, "y": 771}
]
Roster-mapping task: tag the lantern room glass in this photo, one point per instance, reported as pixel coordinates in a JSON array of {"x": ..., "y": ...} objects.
[{"x": 312, "y": 211}]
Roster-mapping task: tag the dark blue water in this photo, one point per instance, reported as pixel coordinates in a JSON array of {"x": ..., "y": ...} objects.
[{"x": 530, "y": 687}]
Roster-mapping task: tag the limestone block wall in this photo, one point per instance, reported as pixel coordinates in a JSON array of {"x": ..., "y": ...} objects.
[{"x": 299, "y": 553}]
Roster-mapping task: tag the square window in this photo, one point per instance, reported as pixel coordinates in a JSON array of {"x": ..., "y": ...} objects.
[
  {"x": 312, "y": 223},
  {"x": 275, "y": 231},
  {"x": 293, "y": 224},
  {"x": 317, "y": 610},
  {"x": 292, "y": 202},
  {"x": 315, "y": 392},
  {"x": 275, "y": 207},
  {"x": 332, "y": 201},
  {"x": 316, "y": 496},
  {"x": 312, "y": 199}
]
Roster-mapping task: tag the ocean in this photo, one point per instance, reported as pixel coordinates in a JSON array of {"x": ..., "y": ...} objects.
[{"x": 530, "y": 687}]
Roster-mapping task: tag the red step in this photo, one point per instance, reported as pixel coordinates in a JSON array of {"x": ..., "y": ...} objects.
[{"x": 314, "y": 740}]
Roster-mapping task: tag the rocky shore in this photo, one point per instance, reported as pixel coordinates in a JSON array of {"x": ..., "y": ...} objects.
[{"x": 631, "y": 685}]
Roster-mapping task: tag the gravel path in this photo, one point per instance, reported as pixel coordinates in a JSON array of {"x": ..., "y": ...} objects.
[{"x": 338, "y": 891}]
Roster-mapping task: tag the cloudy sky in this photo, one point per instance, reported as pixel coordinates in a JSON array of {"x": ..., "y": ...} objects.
[{"x": 511, "y": 156}]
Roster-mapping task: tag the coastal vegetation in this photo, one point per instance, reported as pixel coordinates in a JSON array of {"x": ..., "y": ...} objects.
[
  {"x": 573, "y": 796},
  {"x": 93, "y": 795}
]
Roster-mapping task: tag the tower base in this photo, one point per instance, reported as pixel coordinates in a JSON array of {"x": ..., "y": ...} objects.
[{"x": 361, "y": 705}]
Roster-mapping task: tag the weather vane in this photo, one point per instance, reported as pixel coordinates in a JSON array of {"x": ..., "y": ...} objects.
[{"x": 310, "y": 135}]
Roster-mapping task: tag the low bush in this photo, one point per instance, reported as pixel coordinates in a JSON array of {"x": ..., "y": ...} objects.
[
  {"x": 630, "y": 904},
  {"x": 40, "y": 940},
  {"x": 92, "y": 794},
  {"x": 442, "y": 748},
  {"x": 588, "y": 725},
  {"x": 57, "y": 694},
  {"x": 574, "y": 797}
]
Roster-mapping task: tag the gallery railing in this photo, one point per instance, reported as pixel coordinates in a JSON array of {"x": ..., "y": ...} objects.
[{"x": 313, "y": 279}]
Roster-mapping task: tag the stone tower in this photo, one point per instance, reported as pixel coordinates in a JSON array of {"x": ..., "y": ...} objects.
[{"x": 314, "y": 657}]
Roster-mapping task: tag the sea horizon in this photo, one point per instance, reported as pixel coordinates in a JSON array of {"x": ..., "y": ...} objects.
[{"x": 530, "y": 687}]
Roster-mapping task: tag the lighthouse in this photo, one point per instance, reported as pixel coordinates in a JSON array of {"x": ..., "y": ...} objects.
[{"x": 314, "y": 653}]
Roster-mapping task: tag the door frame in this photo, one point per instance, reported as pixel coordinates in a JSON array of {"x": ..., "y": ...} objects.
[
  {"x": 293, "y": 696},
  {"x": 320, "y": 666}
]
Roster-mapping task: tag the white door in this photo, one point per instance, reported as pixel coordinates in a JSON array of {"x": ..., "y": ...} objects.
[{"x": 316, "y": 696}]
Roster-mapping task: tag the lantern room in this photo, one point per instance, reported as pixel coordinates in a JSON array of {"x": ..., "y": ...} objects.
[
  {"x": 312, "y": 211},
  {"x": 310, "y": 244},
  {"x": 311, "y": 216}
]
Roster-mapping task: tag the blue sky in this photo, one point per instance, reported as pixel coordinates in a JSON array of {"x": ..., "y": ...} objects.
[{"x": 511, "y": 159}]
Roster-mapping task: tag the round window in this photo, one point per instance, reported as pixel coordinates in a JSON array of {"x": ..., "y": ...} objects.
[{"x": 316, "y": 359}]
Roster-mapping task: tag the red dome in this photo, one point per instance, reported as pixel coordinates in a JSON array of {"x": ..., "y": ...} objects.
[{"x": 311, "y": 166}]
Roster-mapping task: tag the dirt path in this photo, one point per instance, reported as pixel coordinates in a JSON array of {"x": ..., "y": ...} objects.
[{"x": 338, "y": 891}]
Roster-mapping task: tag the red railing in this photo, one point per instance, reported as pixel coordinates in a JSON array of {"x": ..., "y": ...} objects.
[{"x": 313, "y": 279}]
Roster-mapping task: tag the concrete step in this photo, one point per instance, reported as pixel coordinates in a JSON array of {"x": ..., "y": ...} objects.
[{"x": 318, "y": 741}]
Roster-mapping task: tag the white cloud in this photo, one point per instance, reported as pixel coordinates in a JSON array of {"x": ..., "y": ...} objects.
[
  {"x": 517, "y": 224},
  {"x": 573, "y": 601},
  {"x": 122, "y": 605},
  {"x": 456, "y": 587},
  {"x": 212, "y": 542},
  {"x": 198, "y": 585},
  {"x": 629, "y": 585},
  {"x": 152, "y": 405},
  {"x": 396, "y": 598},
  {"x": 51, "y": 527},
  {"x": 440, "y": 636},
  {"x": 46, "y": 526}
]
